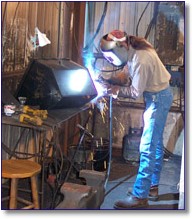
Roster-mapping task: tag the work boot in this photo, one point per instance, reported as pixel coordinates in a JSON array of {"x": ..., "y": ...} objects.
[
  {"x": 153, "y": 194},
  {"x": 131, "y": 202}
]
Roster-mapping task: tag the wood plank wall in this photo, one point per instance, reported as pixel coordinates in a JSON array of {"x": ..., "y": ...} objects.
[
  {"x": 167, "y": 35},
  {"x": 119, "y": 15},
  {"x": 58, "y": 20},
  {"x": 63, "y": 24},
  {"x": 19, "y": 20}
]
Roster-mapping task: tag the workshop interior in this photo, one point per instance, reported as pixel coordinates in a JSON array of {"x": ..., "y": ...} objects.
[{"x": 77, "y": 144}]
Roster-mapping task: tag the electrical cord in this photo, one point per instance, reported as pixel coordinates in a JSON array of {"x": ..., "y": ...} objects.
[
  {"x": 153, "y": 21},
  {"x": 56, "y": 166},
  {"x": 74, "y": 155},
  {"x": 118, "y": 184},
  {"x": 141, "y": 18},
  {"x": 98, "y": 28}
]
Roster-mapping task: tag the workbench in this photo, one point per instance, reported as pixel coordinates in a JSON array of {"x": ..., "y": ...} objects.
[{"x": 26, "y": 141}]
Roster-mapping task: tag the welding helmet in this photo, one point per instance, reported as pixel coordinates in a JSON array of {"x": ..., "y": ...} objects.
[{"x": 113, "y": 50}]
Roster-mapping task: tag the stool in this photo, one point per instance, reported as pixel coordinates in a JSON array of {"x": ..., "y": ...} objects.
[{"x": 19, "y": 169}]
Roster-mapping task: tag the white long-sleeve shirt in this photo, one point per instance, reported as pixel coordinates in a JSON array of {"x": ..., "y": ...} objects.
[{"x": 147, "y": 73}]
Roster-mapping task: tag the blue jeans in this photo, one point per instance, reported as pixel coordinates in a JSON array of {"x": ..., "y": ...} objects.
[{"x": 151, "y": 144}]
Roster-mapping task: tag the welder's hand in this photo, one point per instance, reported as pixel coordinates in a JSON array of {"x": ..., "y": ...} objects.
[
  {"x": 120, "y": 78},
  {"x": 113, "y": 90},
  {"x": 115, "y": 78}
]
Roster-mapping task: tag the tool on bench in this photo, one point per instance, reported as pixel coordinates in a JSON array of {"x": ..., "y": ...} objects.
[
  {"x": 34, "y": 120},
  {"x": 43, "y": 114}
]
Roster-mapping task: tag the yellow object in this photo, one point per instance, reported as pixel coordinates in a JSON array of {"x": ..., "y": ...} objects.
[
  {"x": 35, "y": 120},
  {"x": 35, "y": 112}
]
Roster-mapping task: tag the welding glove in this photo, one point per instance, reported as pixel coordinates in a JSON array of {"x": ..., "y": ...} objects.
[
  {"x": 113, "y": 90},
  {"x": 119, "y": 78},
  {"x": 116, "y": 78}
]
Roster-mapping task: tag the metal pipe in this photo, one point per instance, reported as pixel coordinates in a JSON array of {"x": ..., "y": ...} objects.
[{"x": 110, "y": 141}]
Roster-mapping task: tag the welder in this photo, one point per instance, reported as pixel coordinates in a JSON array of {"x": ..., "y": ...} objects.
[{"x": 149, "y": 77}]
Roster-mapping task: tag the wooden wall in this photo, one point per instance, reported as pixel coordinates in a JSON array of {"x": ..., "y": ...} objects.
[
  {"x": 63, "y": 24},
  {"x": 58, "y": 20},
  {"x": 162, "y": 23},
  {"x": 124, "y": 16},
  {"x": 19, "y": 22}
]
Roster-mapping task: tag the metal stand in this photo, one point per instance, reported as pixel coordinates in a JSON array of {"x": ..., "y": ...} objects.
[
  {"x": 84, "y": 132},
  {"x": 110, "y": 141}
]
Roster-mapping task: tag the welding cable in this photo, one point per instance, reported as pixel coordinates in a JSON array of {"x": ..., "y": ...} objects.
[
  {"x": 154, "y": 19},
  {"x": 118, "y": 184},
  {"x": 141, "y": 18},
  {"x": 58, "y": 167},
  {"x": 60, "y": 154},
  {"x": 13, "y": 151},
  {"x": 85, "y": 130},
  {"x": 98, "y": 28},
  {"x": 74, "y": 155}
]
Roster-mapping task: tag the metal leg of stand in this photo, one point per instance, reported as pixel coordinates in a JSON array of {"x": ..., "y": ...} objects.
[
  {"x": 110, "y": 141},
  {"x": 73, "y": 158}
]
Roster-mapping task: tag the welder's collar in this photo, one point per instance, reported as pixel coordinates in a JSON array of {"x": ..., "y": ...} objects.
[{"x": 131, "y": 53}]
